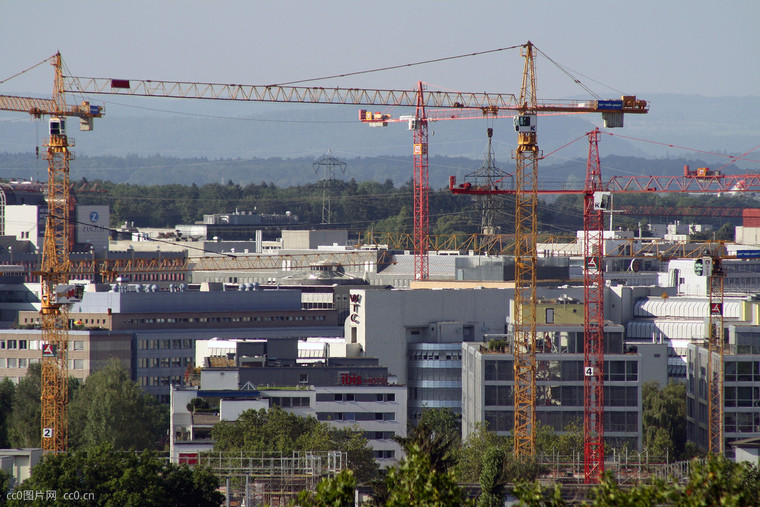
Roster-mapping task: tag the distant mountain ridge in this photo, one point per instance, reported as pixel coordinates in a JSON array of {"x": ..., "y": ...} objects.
[{"x": 200, "y": 142}]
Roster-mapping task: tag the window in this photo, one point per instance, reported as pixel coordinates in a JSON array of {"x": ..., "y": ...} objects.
[
  {"x": 78, "y": 345},
  {"x": 12, "y": 362},
  {"x": 22, "y": 362},
  {"x": 303, "y": 378},
  {"x": 550, "y": 315}
]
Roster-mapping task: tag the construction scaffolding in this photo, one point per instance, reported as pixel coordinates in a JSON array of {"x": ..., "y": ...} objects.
[{"x": 269, "y": 478}]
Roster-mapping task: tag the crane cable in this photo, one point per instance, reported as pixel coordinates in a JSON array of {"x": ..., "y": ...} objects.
[
  {"x": 27, "y": 70},
  {"x": 393, "y": 67},
  {"x": 732, "y": 157}
]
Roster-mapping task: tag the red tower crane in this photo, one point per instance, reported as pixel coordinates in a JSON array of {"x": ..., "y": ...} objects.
[{"x": 596, "y": 196}]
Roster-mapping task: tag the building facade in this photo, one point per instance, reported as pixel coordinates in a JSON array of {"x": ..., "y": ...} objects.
[
  {"x": 418, "y": 334},
  {"x": 741, "y": 388},
  {"x": 488, "y": 383}
]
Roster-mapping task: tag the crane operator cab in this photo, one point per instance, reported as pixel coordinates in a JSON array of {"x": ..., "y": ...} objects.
[
  {"x": 57, "y": 126},
  {"x": 525, "y": 123}
]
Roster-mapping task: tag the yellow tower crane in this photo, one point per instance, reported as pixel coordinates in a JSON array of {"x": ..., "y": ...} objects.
[{"x": 56, "y": 293}]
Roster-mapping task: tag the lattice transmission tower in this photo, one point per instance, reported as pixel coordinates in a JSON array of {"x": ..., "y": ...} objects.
[{"x": 328, "y": 164}]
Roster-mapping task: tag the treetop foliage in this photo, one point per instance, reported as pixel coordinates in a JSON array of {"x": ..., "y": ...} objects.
[
  {"x": 277, "y": 431},
  {"x": 102, "y": 476}
]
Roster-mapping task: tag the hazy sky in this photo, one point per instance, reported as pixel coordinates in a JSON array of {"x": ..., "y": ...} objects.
[{"x": 640, "y": 47}]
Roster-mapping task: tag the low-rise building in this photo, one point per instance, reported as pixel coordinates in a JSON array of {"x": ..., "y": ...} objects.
[{"x": 343, "y": 392}]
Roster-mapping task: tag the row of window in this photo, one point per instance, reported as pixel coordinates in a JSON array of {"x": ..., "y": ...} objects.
[
  {"x": 435, "y": 355},
  {"x": 163, "y": 362},
  {"x": 563, "y": 370},
  {"x": 742, "y": 371},
  {"x": 356, "y": 416},
  {"x": 165, "y": 344},
  {"x": 379, "y": 435},
  {"x": 743, "y": 422},
  {"x": 23, "y": 362},
  {"x": 191, "y": 320},
  {"x": 356, "y": 397},
  {"x": 72, "y": 322},
  {"x": 384, "y": 454},
  {"x": 158, "y": 381},
  {"x": 742, "y": 396},
  {"x": 627, "y": 421},
  {"x": 565, "y": 396},
  {"x": 20, "y": 362},
  {"x": 287, "y": 401},
  {"x": 435, "y": 393},
  {"x": 33, "y": 345},
  {"x": 440, "y": 374}
]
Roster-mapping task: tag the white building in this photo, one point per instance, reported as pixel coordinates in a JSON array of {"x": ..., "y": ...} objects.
[
  {"x": 379, "y": 411},
  {"x": 418, "y": 334}
]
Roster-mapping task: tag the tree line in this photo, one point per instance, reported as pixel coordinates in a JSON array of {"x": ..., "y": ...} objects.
[{"x": 373, "y": 206}]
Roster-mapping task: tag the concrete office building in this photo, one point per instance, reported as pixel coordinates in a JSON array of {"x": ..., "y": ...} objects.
[
  {"x": 488, "y": 382},
  {"x": 741, "y": 387},
  {"x": 418, "y": 334}
]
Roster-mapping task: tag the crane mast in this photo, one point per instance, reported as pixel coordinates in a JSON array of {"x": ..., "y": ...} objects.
[
  {"x": 594, "y": 203},
  {"x": 56, "y": 266},
  {"x": 421, "y": 189},
  {"x": 715, "y": 359},
  {"x": 526, "y": 200},
  {"x": 55, "y": 270}
]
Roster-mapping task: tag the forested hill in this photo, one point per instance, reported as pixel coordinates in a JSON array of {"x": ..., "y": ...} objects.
[
  {"x": 285, "y": 172},
  {"x": 363, "y": 206}
]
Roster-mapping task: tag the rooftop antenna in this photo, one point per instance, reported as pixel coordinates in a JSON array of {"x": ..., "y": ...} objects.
[{"x": 328, "y": 164}]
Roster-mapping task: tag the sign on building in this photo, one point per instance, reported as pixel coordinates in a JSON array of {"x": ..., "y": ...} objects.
[{"x": 93, "y": 226}]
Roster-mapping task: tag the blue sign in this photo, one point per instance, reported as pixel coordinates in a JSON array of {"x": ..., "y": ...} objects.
[
  {"x": 609, "y": 104},
  {"x": 748, "y": 254},
  {"x": 94, "y": 216}
]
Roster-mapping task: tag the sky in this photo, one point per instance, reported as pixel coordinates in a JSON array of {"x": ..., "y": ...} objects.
[
  {"x": 645, "y": 48},
  {"x": 698, "y": 47}
]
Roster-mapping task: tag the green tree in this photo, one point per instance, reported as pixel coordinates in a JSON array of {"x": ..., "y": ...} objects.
[
  {"x": 5, "y": 486},
  {"x": 416, "y": 482},
  {"x": 664, "y": 419},
  {"x": 112, "y": 408},
  {"x": 470, "y": 457},
  {"x": 24, "y": 421},
  {"x": 113, "y": 478},
  {"x": 333, "y": 492},
  {"x": 7, "y": 392},
  {"x": 490, "y": 477},
  {"x": 438, "y": 435},
  {"x": 531, "y": 494},
  {"x": 567, "y": 443},
  {"x": 274, "y": 430},
  {"x": 719, "y": 481}
]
